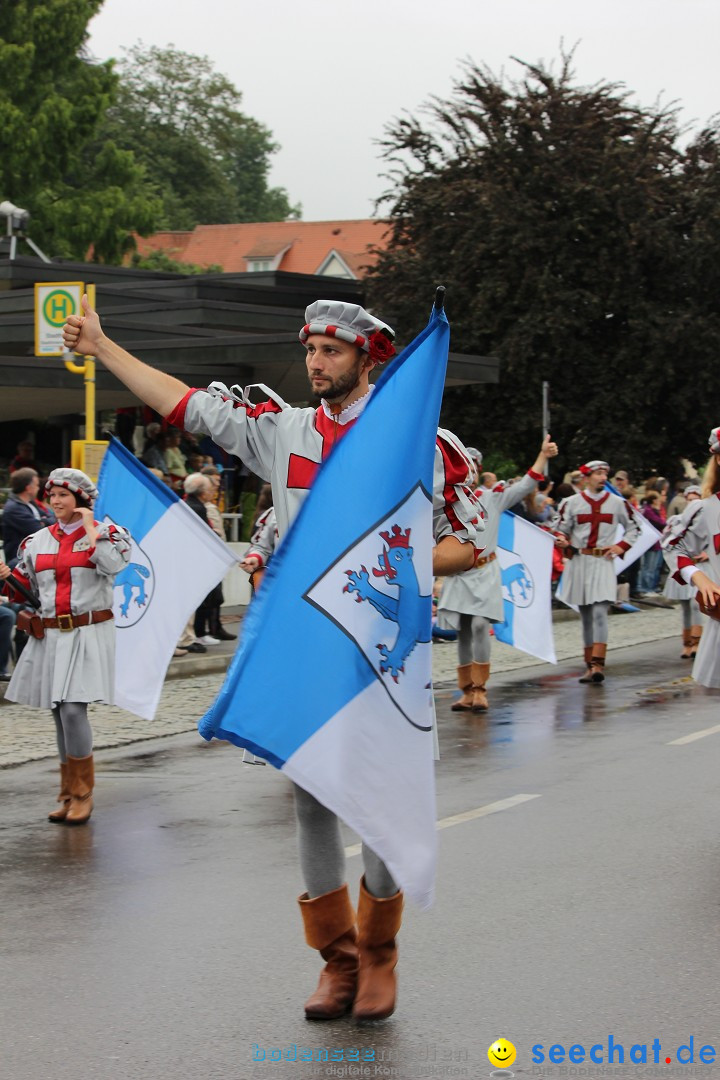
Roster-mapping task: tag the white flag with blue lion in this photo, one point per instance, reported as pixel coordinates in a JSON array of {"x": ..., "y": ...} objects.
[
  {"x": 525, "y": 553},
  {"x": 176, "y": 560}
]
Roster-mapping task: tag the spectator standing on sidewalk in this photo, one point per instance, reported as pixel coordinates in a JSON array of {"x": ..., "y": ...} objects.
[
  {"x": 198, "y": 493},
  {"x": 651, "y": 562},
  {"x": 22, "y": 515},
  {"x": 215, "y": 521}
]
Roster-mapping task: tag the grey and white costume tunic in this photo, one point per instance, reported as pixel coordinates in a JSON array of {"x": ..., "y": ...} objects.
[
  {"x": 70, "y": 578},
  {"x": 703, "y": 528},
  {"x": 697, "y": 539},
  {"x": 286, "y": 445},
  {"x": 265, "y": 537},
  {"x": 479, "y": 591},
  {"x": 590, "y": 522}
]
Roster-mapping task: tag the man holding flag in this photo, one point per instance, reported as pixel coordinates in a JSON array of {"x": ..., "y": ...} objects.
[{"x": 348, "y": 718}]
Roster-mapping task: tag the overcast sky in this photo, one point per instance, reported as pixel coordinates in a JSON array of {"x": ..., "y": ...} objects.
[{"x": 326, "y": 75}]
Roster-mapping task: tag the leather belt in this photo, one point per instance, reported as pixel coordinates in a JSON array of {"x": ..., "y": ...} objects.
[
  {"x": 483, "y": 560},
  {"x": 597, "y": 553},
  {"x": 70, "y": 622}
]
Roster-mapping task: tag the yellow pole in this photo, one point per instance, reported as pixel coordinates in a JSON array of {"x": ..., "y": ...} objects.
[{"x": 89, "y": 371}]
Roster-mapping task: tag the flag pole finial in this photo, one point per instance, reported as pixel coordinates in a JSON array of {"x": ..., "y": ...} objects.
[{"x": 439, "y": 303}]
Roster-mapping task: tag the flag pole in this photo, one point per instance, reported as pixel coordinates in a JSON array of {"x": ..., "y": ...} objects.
[
  {"x": 439, "y": 302},
  {"x": 18, "y": 586},
  {"x": 546, "y": 417}
]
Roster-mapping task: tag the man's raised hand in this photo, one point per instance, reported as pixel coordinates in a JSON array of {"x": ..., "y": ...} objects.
[{"x": 83, "y": 333}]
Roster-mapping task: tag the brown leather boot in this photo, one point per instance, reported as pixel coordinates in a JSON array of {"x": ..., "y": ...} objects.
[
  {"x": 378, "y": 924},
  {"x": 81, "y": 780},
  {"x": 329, "y": 922},
  {"x": 480, "y": 676},
  {"x": 597, "y": 663},
  {"x": 696, "y": 632},
  {"x": 464, "y": 704},
  {"x": 63, "y": 798},
  {"x": 587, "y": 653},
  {"x": 686, "y": 653}
]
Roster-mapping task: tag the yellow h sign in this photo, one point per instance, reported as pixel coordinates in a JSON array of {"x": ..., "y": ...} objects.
[{"x": 53, "y": 303}]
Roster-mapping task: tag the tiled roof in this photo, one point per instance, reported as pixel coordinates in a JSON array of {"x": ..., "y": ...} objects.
[{"x": 308, "y": 244}]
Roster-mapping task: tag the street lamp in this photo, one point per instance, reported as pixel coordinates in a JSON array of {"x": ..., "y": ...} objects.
[{"x": 17, "y": 220}]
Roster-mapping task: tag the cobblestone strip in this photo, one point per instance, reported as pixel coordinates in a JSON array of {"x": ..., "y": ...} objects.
[{"x": 29, "y": 734}]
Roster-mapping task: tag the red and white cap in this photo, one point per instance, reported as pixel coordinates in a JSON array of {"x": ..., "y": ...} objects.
[
  {"x": 74, "y": 480},
  {"x": 350, "y": 323},
  {"x": 714, "y": 441},
  {"x": 592, "y": 466}
]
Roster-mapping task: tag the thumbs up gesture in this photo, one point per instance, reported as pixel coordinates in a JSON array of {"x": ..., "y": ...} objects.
[{"x": 83, "y": 333}]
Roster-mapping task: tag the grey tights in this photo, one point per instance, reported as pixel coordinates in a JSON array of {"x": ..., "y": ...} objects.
[
  {"x": 72, "y": 727},
  {"x": 595, "y": 622},
  {"x": 473, "y": 640},
  {"x": 690, "y": 613},
  {"x": 322, "y": 857}
]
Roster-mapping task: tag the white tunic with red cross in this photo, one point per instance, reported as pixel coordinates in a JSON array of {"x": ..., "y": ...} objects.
[
  {"x": 590, "y": 522},
  {"x": 70, "y": 578},
  {"x": 701, "y": 532},
  {"x": 286, "y": 445}
]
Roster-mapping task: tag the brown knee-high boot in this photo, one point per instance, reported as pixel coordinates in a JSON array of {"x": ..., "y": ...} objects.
[
  {"x": 63, "y": 798},
  {"x": 378, "y": 924},
  {"x": 597, "y": 663},
  {"x": 480, "y": 676},
  {"x": 464, "y": 704},
  {"x": 81, "y": 780},
  {"x": 687, "y": 652},
  {"x": 329, "y": 922},
  {"x": 587, "y": 654}
]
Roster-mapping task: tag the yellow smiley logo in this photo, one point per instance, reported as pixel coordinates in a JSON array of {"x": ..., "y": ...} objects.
[{"x": 502, "y": 1053}]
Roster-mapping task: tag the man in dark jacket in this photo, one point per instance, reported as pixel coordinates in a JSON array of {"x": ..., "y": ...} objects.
[{"x": 22, "y": 514}]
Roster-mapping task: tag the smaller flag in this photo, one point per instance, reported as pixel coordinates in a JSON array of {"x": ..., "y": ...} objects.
[
  {"x": 525, "y": 554},
  {"x": 649, "y": 536},
  {"x": 176, "y": 560}
]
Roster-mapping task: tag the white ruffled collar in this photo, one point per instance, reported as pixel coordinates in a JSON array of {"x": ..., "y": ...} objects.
[{"x": 351, "y": 412}]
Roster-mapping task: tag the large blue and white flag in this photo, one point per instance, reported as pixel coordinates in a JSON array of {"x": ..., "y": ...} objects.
[
  {"x": 525, "y": 554},
  {"x": 332, "y": 681},
  {"x": 176, "y": 560}
]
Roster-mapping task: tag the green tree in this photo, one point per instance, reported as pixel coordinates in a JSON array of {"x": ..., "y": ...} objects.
[
  {"x": 81, "y": 192},
  {"x": 578, "y": 242},
  {"x": 182, "y": 120}
]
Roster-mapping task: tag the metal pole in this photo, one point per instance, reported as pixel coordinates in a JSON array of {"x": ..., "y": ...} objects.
[{"x": 546, "y": 415}]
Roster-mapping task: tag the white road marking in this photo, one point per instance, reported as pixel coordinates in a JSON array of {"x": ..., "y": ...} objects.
[
  {"x": 695, "y": 735},
  {"x": 468, "y": 815}
]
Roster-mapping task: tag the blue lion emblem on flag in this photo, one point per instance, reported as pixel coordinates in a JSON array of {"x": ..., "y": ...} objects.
[{"x": 410, "y": 610}]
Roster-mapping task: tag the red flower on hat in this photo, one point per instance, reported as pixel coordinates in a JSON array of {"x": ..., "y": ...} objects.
[{"x": 381, "y": 348}]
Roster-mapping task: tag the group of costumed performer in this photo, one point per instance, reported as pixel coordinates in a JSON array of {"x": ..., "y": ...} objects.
[
  {"x": 471, "y": 602},
  {"x": 586, "y": 526},
  {"x": 700, "y": 533},
  {"x": 70, "y": 567},
  {"x": 692, "y": 625},
  {"x": 285, "y": 446}
]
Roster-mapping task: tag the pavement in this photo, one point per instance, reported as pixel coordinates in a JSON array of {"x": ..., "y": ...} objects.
[
  {"x": 576, "y": 907},
  {"x": 193, "y": 681}
]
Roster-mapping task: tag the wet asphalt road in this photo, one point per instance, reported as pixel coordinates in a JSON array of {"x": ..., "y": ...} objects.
[{"x": 162, "y": 941}]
